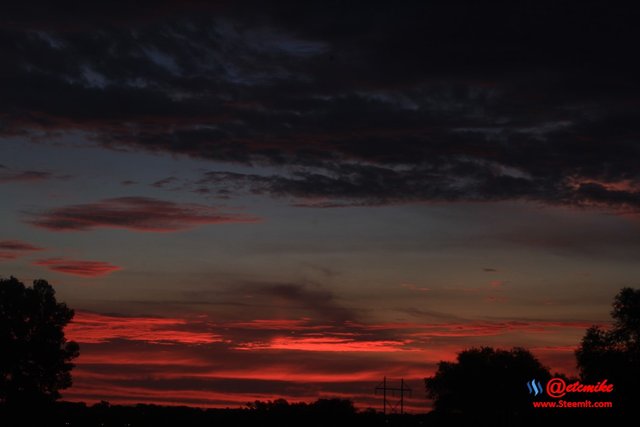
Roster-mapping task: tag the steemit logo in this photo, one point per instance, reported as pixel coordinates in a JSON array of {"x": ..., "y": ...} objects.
[{"x": 535, "y": 387}]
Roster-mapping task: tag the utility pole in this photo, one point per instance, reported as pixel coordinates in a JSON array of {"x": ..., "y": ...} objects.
[
  {"x": 384, "y": 388},
  {"x": 384, "y": 396},
  {"x": 402, "y": 396}
]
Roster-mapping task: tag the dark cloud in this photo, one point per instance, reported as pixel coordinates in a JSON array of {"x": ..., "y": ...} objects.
[
  {"x": 162, "y": 183},
  {"x": 357, "y": 184},
  {"x": 77, "y": 267},
  {"x": 8, "y": 175},
  {"x": 320, "y": 302},
  {"x": 354, "y": 184},
  {"x": 365, "y": 103},
  {"x": 291, "y": 300},
  {"x": 24, "y": 176},
  {"x": 134, "y": 213}
]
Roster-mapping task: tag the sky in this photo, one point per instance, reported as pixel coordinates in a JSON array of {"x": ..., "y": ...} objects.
[{"x": 256, "y": 200}]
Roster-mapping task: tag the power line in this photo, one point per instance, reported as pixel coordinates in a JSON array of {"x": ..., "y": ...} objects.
[{"x": 394, "y": 392}]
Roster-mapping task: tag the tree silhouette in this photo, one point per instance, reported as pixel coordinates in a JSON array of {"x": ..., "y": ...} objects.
[
  {"x": 321, "y": 412},
  {"x": 486, "y": 385},
  {"x": 614, "y": 354},
  {"x": 333, "y": 408},
  {"x": 35, "y": 357}
]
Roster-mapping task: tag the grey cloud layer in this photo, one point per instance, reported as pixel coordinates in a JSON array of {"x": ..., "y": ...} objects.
[{"x": 371, "y": 105}]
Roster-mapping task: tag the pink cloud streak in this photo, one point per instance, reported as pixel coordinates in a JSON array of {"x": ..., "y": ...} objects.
[{"x": 77, "y": 267}]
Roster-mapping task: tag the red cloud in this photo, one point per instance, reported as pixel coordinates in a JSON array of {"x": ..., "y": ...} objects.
[
  {"x": 154, "y": 359},
  {"x": 76, "y": 267},
  {"x": 328, "y": 343},
  {"x": 8, "y": 255},
  {"x": 222, "y": 376},
  {"x": 97, "y": 328},
  {"x": 12, "y": 249},
  {"x": 17, "y": 245},
  {"x": 134, "y": 213}
]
